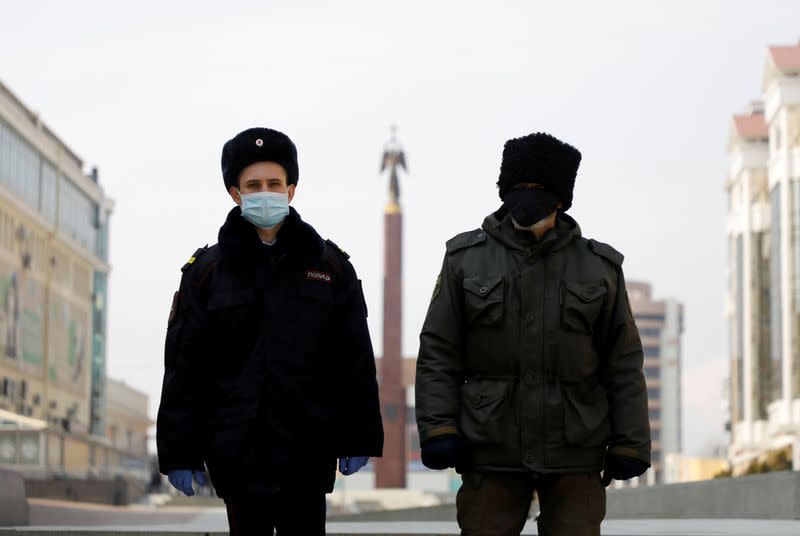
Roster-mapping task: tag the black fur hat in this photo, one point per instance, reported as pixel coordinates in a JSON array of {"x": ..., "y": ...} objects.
[
  {"x": 543, "y": 159},
  {"x": 258, "y": 145}
]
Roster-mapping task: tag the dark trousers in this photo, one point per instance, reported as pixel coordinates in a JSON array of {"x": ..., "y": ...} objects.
[
  {"x": 287, "y": 514},
  {"x": 497, "y": 504}
]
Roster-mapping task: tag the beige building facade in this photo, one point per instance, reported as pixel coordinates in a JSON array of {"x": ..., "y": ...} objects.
[
  {"x": 764, "y": 257},
  {"x": 680, "y": 468},
  {"x": 128, "y": 423},
  {"x": 54, "y": 220}
]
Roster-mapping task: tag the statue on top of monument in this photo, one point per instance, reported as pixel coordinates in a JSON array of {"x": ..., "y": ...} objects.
[{"x": 393, "y": 157}]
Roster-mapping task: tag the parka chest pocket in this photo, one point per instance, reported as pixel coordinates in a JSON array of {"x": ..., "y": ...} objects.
[
  {"x": 235, "y": 318},
  {"x": 483, "y": 300},
  {"x": 316, "y": 294},
  {"x": 314, "y": 302},
  {"x": 582, "y": 304},
  {"x": 231, "y": 299},
  {"x": 312, "y": 313}
]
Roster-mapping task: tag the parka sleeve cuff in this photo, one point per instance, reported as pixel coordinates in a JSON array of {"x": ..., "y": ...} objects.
[
  {"x": 164, "y": 467},
  {"x": 639, "y": 454},
  {"x": 439, "y": 431}
]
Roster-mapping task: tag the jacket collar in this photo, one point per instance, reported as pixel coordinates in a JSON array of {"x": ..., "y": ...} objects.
[
  {"x": 500, "y": 226},
  {"x": 296, "y": 239}
]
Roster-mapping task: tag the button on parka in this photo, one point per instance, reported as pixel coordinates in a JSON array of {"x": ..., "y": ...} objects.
[
  {"x": 529, "y": 352},
  {"x": 269, "y": 368}
]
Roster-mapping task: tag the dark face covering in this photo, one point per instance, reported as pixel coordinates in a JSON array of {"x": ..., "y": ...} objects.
[{"x": 528, "y": 206}]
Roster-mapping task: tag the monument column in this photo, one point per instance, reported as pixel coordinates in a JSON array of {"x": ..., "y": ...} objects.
[{"x": 390, "y": 471}]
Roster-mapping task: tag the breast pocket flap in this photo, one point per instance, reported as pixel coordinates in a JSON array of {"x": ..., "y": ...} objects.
[
  {"x": 586, "y": 292},
  {"x": 481, "y": 286}
]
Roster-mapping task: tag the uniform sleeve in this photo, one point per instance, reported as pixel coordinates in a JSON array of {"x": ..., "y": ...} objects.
[
  {"x": 360, "y": 427},
  {"x": 621, "y": 373},
  {"x": 439, "y": 364},
  {"x": 180, "y": 426}
]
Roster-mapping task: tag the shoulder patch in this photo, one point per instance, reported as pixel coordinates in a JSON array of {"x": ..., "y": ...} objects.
[
  {"x": 466, "y": 240},
  {"x": 333, "y": 245},
  {"x": 196, "y": 255},
  {"x": 607, "y": 252}
]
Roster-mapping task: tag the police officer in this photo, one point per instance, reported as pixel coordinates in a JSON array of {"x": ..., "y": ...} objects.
[
  {"x": 529, "y": 377},
  {"x": 269, "y": 368}
]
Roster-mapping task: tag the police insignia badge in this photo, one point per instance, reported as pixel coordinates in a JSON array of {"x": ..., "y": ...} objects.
[{"x": 437, "y": 288}]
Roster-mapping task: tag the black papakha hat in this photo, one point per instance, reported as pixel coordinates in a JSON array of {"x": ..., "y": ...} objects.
[
  {"x": 543, "y": 159},
  {"x": 258, "y": 145}
]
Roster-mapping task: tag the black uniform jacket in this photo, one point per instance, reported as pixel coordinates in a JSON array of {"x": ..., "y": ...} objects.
[{"x": 269, "y": 368}]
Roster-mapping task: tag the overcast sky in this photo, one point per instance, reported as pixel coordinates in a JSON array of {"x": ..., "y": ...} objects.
[{"x": 149, "y": 92}]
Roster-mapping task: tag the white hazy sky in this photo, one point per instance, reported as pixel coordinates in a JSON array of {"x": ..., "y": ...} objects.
[{"x": 149, "y": 92}]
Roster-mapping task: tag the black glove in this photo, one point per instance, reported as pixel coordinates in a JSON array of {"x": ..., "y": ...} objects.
[
  {"x": 622, "y": 468},
  {"x": 441, "y": 452}
]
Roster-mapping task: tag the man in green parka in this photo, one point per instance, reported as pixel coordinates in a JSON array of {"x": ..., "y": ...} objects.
[{"x": 529, "y": 375}]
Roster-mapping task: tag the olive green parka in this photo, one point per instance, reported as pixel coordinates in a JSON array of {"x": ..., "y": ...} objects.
[{"x": 530, "y": 353}]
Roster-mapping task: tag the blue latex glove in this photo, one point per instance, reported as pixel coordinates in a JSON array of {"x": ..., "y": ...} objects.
[
  {"x": 441, "y": 452},
  {"x": 181, "y": 479},
  {"x": 350, "y": 465}
]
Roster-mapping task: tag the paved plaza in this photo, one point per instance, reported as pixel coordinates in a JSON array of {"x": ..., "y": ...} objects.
[{"x": 50, "y": 518}]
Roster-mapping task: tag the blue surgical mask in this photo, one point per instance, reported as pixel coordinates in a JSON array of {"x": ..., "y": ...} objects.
[{"x": 265, "y": 209}]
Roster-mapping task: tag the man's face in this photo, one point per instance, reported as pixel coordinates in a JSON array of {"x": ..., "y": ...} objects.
[
  {"x": 262, "y": 177},
  {"x": 536, "y": 186},
  {"x": 533, "y": 207}
]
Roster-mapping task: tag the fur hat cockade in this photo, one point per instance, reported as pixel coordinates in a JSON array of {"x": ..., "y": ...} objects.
[
  {"x": 543, "y": 159},
  {"x": 258, "y": 145}
]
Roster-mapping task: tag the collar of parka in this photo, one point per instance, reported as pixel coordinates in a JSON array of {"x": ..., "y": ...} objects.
[
  {"x": 296, "y": 240},
  {"x": 500, "y": 226}
]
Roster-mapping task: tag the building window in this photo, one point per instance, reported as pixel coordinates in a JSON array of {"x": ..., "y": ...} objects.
[
  {"x": 20, "y": 166},
  {"x": 652, "y": 317},
  {"x": 652, "y": 351},
  {"x": 654, "y": 393},
  {"x": 652, "y": 373},
  {"x": 48, "y": 199},
  {"x": 776, "y": 317},
  {"x": 76, "y": 214},
  {"x": 650, "y": 332},
  {"x": 739, "y": 335},
  {"x": 655, "y": 414}
]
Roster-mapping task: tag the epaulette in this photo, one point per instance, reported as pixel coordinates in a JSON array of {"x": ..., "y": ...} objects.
[
  {"x": 336, "y": 256},
  {"x": 466, "y": 240},
  {"x": 197, "y": 254},
  {"x": 607, "y": 252},
  {"x": 333, "y": 245}
]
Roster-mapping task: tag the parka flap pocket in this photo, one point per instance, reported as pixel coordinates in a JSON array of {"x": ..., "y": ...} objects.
[
  {"x": 483, "y": 300},
  {"x": 482, "y": 408},
  {"x": 478, "y": 394},
  {"x": 481, "y": 286},
  {"x": 582, "y": 304},
  {"x": 231, "y": 416},
  {"x": 586, "y": 413},
  {"x": 231, "y": 298},
  {"x": 319, "y": 292},
  {"x": 586, "y": 292}
]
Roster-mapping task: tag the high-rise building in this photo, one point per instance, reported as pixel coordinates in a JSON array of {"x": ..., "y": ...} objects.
[
  {"x": 54, "y": 220},
  {"x": 764, "y": 259},
  {"x": 660, "y": 324}
]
